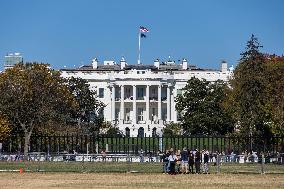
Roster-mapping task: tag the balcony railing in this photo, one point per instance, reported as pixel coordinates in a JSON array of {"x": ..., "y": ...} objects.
[
  {"x": 154, "y": 98},
  {"x": 127, "y": 121}
]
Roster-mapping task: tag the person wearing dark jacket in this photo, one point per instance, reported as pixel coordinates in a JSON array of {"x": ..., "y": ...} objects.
[
  {"x": 197, "y": 162},
  {"x": 165, "y": 160},
  {"x": 191, "y": 161}
]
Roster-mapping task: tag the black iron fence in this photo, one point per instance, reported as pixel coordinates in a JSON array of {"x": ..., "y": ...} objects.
[{"x": 133, "y": 145}]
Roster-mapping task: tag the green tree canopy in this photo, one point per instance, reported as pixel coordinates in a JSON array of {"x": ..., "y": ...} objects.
[
  {"x": 172, "y": 129},
  {"x": 249, "y": 97},
  {"x": 201, "y": 109},
  {"x": 5, "y": 128},
  {"x": 32, "y": 95},
  {"x": 89, "y": 108},
  {"x": 275, "y": 91}
]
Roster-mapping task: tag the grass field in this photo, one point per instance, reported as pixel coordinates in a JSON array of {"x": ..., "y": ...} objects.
[
  {"x": 130, "y": 180},
  {"x": 123, "y": 167}
]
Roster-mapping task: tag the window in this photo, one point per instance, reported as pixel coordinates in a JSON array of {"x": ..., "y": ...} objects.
[
  {"x": 127, "y": 132},
  {"x": 101, "y": 92},
  {"x": 140, "y": 92},
  {"x": 140, "y": 114},
  {"x": 127, "y": 114},
  {"x": 164, "y": 114},
  {"x": 179, "y": 118},
  {"x": 154, "y": 92},
  {"x": 179, "y": 91},
  {"x": 153, "y": 114},
  {"x": 141, "y": 132},
  {"x": 127, "y": 92},
  {"x": 101, "y": 113},
  {"x": 117, "y": 113}
]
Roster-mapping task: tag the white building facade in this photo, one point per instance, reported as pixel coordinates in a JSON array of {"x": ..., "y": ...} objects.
[{"x": 140, "y": 99}]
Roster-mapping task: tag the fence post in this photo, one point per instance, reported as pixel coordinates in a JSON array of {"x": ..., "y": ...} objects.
[
  {"x": 97, "y": 148},
  {"x": 262, "y": 164},
  {"x": 218, "y": 163},
  {"x": 128, "y": 163},
  {"x": 107, "y": 148},
  {"x": 48, "y": 152},
  {"x": 83, "y": 161},
  {"x": 87, "y": 148},
  {"x": 161, "y": 144}
]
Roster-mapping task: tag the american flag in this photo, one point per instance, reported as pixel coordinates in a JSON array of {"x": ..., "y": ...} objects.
[{"x": 143, "y": 29}]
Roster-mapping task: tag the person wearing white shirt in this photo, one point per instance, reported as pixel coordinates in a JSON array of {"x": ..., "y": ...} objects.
[{"x": 172, "y": 160}]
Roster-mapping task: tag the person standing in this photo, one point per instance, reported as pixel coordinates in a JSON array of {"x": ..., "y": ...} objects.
[
  {"x": 172, "y": 161},
  {"x": 184, "y": 161},
  {"x": 103, "y": 153},
  {"x": 197, "y": 159},
  {"x": 191, "y": 161},
  {"x": 141, "y": 154},
  {"x": 178, "y": 161},
  {"x": 205, "y": 162},
  {"x": 165, "y": 159}
]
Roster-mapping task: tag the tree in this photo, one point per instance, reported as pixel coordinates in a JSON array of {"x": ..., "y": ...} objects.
[
  {"x": 274, "y": 71},
  {"x": 32, "y": 95},
  {"x": 248, "y": 95},
  {"x": 89, "y": 107},
  {"x": 172, "y": 129},
  {"x": 5, "y": 128},
  {"x": 201, "y": 108}
]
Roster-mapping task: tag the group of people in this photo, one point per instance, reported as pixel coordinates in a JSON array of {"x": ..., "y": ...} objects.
[{"x": 184, "y": 161}]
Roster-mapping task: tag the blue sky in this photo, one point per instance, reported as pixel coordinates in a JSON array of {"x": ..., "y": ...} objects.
[{"x": 72, "y": 32}]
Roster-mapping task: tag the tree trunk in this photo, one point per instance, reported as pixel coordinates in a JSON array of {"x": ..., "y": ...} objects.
[{"x": 27, "y": 143}]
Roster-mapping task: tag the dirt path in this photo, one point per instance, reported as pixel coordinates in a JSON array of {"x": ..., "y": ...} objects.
[{"x": 128, "y": 180}]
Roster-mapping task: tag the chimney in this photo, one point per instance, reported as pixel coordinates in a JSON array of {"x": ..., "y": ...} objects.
[
  {"x": 224, "y": 66},
  {"x": 95, "y": 63},
  {"x": 184, "y": 64},
  {"x": 122, "y": 63},
  {"x": 157, "y": 63}
]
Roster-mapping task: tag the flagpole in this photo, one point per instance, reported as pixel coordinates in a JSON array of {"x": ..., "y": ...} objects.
[{"x": 139, "y": 42}]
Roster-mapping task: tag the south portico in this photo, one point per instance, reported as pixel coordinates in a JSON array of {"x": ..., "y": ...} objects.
[{"x": 141, "y": 108}]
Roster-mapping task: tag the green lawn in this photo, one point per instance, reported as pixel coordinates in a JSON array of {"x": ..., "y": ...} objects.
[{"x": 122, "y": 167}]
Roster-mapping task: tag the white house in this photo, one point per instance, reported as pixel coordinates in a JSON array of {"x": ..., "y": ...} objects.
[{"x": 139, "y": 98}]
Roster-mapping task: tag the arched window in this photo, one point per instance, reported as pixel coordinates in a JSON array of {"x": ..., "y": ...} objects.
[
  {"x": 127, "y": 132},
  {"x": 141, "y": 132}
]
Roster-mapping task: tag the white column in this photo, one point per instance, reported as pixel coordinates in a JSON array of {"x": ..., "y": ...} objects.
[
  {"x": 173, "y": 107},
  {"x": 168, "y": 103},
  {"x": 113, "y": 103},
  {"x": 147, "y": 104},
  {"x": 134, "y": 104},
  {"x": 122, "y": 103},
  {"x": 159, "y": 102}
]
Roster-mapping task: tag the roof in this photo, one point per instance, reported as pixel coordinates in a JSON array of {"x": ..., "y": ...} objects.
[
  {"x": 116, "y": 67},
  {"x": 140, "y": 67}
]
